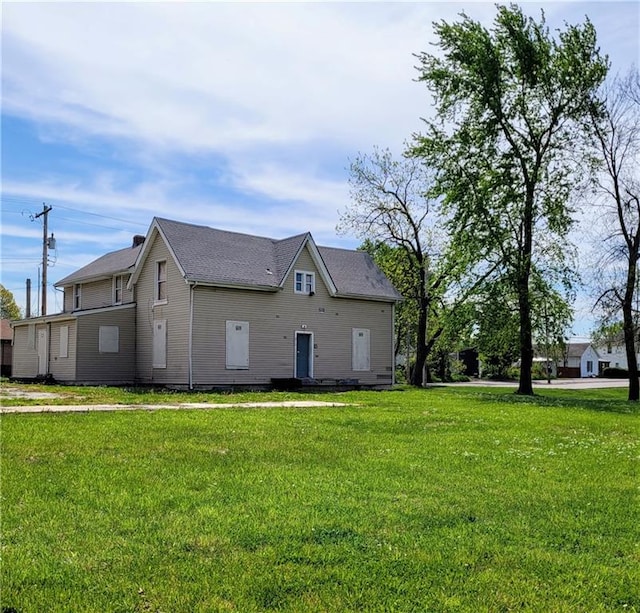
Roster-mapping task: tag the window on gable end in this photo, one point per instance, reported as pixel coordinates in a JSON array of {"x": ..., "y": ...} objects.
[
  {"x": 161, "y": 281},
  {"x": 305, "y": 282}
]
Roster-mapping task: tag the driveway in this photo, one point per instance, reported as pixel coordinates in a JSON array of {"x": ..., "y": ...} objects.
[{"x": 567, "y": 384}]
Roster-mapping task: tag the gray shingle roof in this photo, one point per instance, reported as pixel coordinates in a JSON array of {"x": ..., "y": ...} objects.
[
  {"x": 355, "y": 273},
  {"x": 106, "y": 266},
  {"x": 207, "y": 255},
  {"x": 576, "y": 350}
]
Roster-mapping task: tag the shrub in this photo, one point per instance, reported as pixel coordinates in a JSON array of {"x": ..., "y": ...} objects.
[{"x": 615, "y": 372}]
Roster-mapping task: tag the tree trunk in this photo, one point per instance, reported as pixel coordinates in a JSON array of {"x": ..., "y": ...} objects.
[
  {"x": 629, "y": 329},
  {"x": 417, "y": 377},
  {"x": 525, "y": 386}
]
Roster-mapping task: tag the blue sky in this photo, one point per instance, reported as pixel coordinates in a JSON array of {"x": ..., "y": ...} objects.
[{"x": 241, "y": 116}]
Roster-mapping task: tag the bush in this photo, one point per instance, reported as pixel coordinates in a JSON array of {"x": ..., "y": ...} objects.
[
  {"x": 459, "y": 378},
  {"x": 614, "y": 372}
]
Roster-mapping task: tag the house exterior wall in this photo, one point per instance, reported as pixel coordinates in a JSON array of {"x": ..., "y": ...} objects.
[
  {"x": 274, "y": 318},
  {"x": 175, "y": 311},
  {"x": 25, "y": 354},
  {"x": 96, "y": 295},
  {"x": 616, "y": 355},
  {"x": 589, "y": 363},
  {"x": 111, "y": 367},
  {"x": 26, "y": 348},
  {"x": 60, "y": 367}
]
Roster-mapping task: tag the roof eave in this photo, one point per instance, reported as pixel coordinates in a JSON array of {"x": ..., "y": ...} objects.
[
  {"x": 389, "y": 299},
  {"x": 231, "y": 285}
]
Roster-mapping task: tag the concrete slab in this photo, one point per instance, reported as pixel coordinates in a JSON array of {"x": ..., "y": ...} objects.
[{"x": 85, "y": 408}]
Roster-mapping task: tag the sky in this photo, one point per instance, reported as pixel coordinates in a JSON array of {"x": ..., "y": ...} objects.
[{"x": 240, "y": 116}]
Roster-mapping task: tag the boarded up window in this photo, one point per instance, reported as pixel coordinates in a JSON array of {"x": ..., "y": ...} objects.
[
  {"x": 237, "y": 341},
  {"x": 109, "y": 339},
  {"x": 160, "y": 343},
  {"x": 360, "y": 349},
  {"x": 64, "y": 342}
]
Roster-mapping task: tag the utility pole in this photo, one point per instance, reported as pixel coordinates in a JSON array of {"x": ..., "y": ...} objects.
[{"x": 45, "y": 254}]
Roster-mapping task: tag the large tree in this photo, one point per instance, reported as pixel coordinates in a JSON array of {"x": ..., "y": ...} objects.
[
  {"x": 507, "y": 104},
  {"x": 8, "y": 306},
  {"x": 390, "y": 206},
  {"x": 615, "y": 134}
]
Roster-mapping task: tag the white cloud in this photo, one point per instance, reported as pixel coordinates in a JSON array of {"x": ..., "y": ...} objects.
[
  {"x": 226, "y": 77},
  {"x": 277, "y": 95}
]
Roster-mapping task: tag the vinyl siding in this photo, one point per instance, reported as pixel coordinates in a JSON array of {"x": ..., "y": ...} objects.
[
  {"x": 274, "y": 319},
  {"x": 95, "y": 295},
  {"x": 175, "y": 311},
  {"x": 113, "y": 368},
  {"x": 62, "y": 369},
  {"x": 25, "y": 356}
]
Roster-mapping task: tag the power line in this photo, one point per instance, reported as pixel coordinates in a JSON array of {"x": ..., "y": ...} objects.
[{"x": 23, "y": 201}]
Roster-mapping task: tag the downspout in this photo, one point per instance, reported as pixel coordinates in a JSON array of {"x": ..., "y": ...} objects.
[
  {"x": 393, "y": 343},
  {"x": 191, "y": 290}
]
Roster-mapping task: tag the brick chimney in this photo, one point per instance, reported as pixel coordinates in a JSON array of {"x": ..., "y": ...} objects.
[{"x": 138, "y": 239}]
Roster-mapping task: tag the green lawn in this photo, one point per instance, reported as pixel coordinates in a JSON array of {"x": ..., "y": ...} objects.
[{"x": 448, "y": 499}]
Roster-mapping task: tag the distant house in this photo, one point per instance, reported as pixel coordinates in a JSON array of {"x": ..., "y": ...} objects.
[
  {"x": 580, "y": 360},
  {"x": 194, "y": 307},
  {"x": 6, "y": 341},
  {"x": 613, "y": 353}
]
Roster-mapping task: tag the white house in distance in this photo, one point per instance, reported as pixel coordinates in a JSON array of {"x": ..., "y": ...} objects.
[
  {"x": 190, "y": 306},
  {"x": 587, "y": 360}
]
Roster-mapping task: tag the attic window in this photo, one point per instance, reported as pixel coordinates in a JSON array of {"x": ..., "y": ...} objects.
[
  {"x": 305, "y": 282},
  {"x": 161, "y": 281}
]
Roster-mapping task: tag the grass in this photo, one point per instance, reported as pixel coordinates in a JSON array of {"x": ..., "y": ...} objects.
[{"x": 445, "y": 499}]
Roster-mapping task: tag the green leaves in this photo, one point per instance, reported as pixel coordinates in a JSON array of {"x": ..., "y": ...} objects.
[
  {"x": 509, "y": 103},
  {"x": 8, "y": 306}
]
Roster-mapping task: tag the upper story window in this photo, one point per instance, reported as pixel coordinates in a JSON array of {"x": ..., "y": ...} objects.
[
  {"x": 161, "y": 281},
  {"x": 77, "y": 297},
  {"x": 305, "y": 282},
  {"x": 118, "y": 289}
]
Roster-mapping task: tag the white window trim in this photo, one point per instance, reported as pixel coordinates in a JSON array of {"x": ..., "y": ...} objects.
[
  {"x": 115, "y": 289},
  {"x": 157, "y": 281},
  {"x": 304, "y": 274}
]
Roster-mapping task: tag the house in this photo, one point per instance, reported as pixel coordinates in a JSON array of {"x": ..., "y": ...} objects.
[
  {"x": 580, "y": 360},
  {"x": 6, "y": 342},
  {"x": 190, "y": 306},
  {"x": 613, "y": 353}
]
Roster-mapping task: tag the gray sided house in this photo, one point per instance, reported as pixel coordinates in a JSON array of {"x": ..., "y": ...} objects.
[{"x": 193, "y": 307}]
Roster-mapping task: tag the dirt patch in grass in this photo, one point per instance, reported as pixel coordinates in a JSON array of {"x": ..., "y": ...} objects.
[{"x": 15, "y": 392}]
